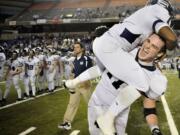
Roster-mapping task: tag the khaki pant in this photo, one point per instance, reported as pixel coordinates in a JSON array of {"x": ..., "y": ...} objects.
[{"x": 83, "y": 89}]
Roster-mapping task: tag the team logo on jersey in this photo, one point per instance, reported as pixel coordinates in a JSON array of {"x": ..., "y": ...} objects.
[{"x": 81, "y": 63}]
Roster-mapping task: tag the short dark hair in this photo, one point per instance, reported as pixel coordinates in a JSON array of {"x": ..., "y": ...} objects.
[
  {"x": 79, "y": 43},
  {"x": 100, "y": 30}
]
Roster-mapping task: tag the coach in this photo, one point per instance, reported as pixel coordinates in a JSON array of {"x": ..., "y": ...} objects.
[{"x": 80, "y": 64}]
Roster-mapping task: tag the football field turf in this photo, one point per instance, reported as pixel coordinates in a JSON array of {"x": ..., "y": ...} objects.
[{"x": 46, "y": 112}]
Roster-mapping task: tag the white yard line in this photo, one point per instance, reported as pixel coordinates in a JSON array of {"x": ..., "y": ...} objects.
[
  {"x": 172, "y": 126},
  {"x": 19, "y": 102},
  {"x": 27, "y": 131},
  {"x": 75, "y": 132}
]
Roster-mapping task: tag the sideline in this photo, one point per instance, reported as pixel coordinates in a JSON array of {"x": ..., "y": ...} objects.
[
  {"x": 27, "y": 131},
  {"x": 172, "y": 126},
  {"x": 19, "y": 102}
]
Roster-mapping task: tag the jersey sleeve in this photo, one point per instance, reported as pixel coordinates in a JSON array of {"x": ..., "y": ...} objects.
[{"x": 162, "y": 18}]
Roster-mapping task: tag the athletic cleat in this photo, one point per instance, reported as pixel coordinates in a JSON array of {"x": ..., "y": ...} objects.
[
  {"x": 19, "y": 99},
  {"x": 51, "y": 91},
  {"x": 4, "y": 100},
  {"x": 65, "y": 125},
  {"x": 33, "y": 96},
  {"x": 106, "y": 124},
  {"x": 156, "y": 131}
]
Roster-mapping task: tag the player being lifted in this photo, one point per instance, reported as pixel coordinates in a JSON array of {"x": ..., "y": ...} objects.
[
  {"x": 13, "y": 75},
  {"x": 41, "y": 79}
]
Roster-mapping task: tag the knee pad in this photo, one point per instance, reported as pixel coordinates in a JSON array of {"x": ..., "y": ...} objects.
[{"x": 149, "y": 111}]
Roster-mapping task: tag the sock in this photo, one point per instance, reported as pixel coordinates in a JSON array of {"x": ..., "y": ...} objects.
[
  {"x": 153, "y": 127},
  {"x": 19, "y": 93}
]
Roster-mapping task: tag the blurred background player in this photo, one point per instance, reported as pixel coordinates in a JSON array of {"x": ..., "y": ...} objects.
[
  {"x": 51, "y": 67},
  {"x": 2, "y": 62},
  {"x": 13, "y": 75},
  {"x": 41, "y": 78},
  {"x": 22, "y": 59},
  {"x": 59, "y": 70},
  {"x": 31, "y": 71},
  {"x": 68, "y": 65},
  {"x": 80, "y": 64}
]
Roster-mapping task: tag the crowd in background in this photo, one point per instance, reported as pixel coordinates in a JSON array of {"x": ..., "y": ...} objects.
[{"x": 57, "y": 48}]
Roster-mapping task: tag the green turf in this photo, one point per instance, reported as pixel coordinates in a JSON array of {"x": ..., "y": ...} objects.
[
  {"x": 173, "y": 97},
  {"x": 46, "y": 112}
]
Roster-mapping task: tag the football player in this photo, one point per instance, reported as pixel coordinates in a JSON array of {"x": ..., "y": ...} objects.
[
  {"x": 2, "y": 62},
  {"x": 59, "y": 70},
  {"x": 51, "y": 63},
  {"x": 13, "y": 75},
  {"x": 41, "y": 79},
  {"x": 145, "y": 59},
  {"x": 68, "y": 65},
  {"x": 31, "y": 71}
]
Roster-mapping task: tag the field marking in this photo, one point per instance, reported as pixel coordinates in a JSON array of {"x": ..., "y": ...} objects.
[
  {"x": 27, "y": 131},
  {"x": 19, "y": 102},
  {"x": 75, "y": 132},
  {"x": 172, "y": 126}
]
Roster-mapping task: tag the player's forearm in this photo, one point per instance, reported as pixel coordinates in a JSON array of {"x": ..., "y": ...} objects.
[
  {"x": 89, "y": 74},
  {"x": 16, "y": 72},
  {"x": 169, "y": 36}
]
